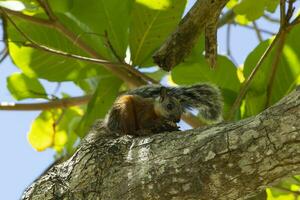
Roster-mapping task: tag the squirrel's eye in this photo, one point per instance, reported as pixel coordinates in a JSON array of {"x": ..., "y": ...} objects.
[{"x": 169, "y": 106}]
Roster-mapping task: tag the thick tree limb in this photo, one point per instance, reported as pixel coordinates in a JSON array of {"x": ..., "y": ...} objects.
[
  {"x": 181, "y": 42},
  {"x": 225, "y": 161}
]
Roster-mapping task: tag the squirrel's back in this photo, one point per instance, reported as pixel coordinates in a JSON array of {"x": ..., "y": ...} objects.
[{"x": 130, "y": 113}]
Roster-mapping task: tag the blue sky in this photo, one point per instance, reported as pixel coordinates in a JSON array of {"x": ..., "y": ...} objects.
[{"x": 21, "y": 164}]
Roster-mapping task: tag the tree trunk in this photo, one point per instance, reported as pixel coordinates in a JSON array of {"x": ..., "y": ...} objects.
[{"x": 224, "y": 161}]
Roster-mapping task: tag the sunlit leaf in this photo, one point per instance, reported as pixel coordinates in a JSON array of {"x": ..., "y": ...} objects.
[
  {"x": 42, "y": 131},
  {"x": 150, "y": 27},
  {"x": 252, "y": 10},
  {"x": 157, "y": 5},
  {"x": 51, "y": 128},
  {"x": 13, "y": 5},
  {"x": 22, "y": 87}
]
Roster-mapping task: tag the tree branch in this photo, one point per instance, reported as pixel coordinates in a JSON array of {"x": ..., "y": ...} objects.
[
  {"x": 183, "y": 39},
  {"x": 224, "y": 161},
  {"x": 57, "y": 103}
]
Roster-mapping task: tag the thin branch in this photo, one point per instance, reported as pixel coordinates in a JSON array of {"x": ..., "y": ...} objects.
[
  {"x": 283, "y": 23},
  {"x": 282, "y": 13},
  {"x": 275, "y": 65},
  {"x": 228, "y": 49},
  {"x": 260, "y": 29},
  {"x": 35, "y": 20},
  {"x": 3, "y": 54},
  {"x": 294, "y": 22},
  {"x": 271, "y": 19},
  {"x": 110, "y": 46},
  {"x": 57, "y": 103},
  {"x": 33, "y": 44},
  {"x": 132, "y": 80},
  {"x": 54, "y": 51},
  {"x": 247, "y": 83},
  {"x": 257, "y": 31},
  {"x": 228, "y": 17},
  {"x": 44, "y": 4}
]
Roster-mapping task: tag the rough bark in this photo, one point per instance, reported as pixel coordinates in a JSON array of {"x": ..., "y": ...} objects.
[
  {"x": 202, "y": 15},
  {"x": 224, "y": 161}
]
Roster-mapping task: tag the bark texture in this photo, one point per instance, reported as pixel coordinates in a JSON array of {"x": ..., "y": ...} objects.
[
  {"x": 225, "y": 161},
  {"x": 202, "y": 16}
]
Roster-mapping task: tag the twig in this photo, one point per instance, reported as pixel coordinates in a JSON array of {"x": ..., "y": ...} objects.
[
  {"x": 228, "y": 17},
  {"x": 60, "y": 103},
  {"x": 44, "y": 4},
  {"x": 228, "y": 39},
  {"x": 282, "y": 13},
  {"x": 3, "y": 54},
  {"x": 257, "y": 31},
  {"x": 275, "y": 65},
  {"x": 271, "y": 19},
  {"x": 110, "y": 46},
  {"x": 35, "y": 20},
  {"x": 260, "y": 29},
  {"x": 132, "y": 80},
  {"x": 246, "y": 85}
]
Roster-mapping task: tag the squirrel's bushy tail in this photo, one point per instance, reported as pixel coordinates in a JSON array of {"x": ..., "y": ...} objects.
[{"x": 206, "y": 97}]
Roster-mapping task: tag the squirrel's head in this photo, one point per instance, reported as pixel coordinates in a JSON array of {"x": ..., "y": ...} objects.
[{"x": 168, "y": 107}]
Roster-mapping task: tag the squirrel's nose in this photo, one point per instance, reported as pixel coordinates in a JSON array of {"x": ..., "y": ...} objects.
[{"x": 176, "y": 119}]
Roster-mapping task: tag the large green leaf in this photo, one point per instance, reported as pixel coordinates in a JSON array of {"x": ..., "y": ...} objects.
[
  {"x": 286, "y": 76},
  {"x": 94, "y": 17},
  {"x": 100, "y": 103},
  {"x": 152, "y": 22},
  {"x": 22, "y": 87},
  {"x": 41, "y": 64}
]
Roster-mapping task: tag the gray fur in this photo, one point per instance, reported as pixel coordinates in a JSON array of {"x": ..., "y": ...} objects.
[{"x": 205, "y": 97}]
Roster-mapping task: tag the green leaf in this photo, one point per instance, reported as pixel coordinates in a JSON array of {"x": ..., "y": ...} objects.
[
  {"x": 152, "y": 22},
  {"x": 42, "y": 132},
  {"x": 61, "y": 6},
  {"x": 100, "y": 103},
  {"x": 41, "y": 64},
  {"x": 51, "y": 128},
  {"x": 22, "y": 87},
  {"x": 67, "y": 125},
  {"x": 255, "y": 103},
  {"x": 255, "y": 9},
  {"x": 97, "y": 16}
]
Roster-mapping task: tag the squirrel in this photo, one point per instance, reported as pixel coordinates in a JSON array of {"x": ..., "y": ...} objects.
[{"x": 153, "y": 109}]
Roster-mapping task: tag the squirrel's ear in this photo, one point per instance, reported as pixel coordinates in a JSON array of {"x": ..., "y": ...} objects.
[{"x": 163, "y": 94}]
